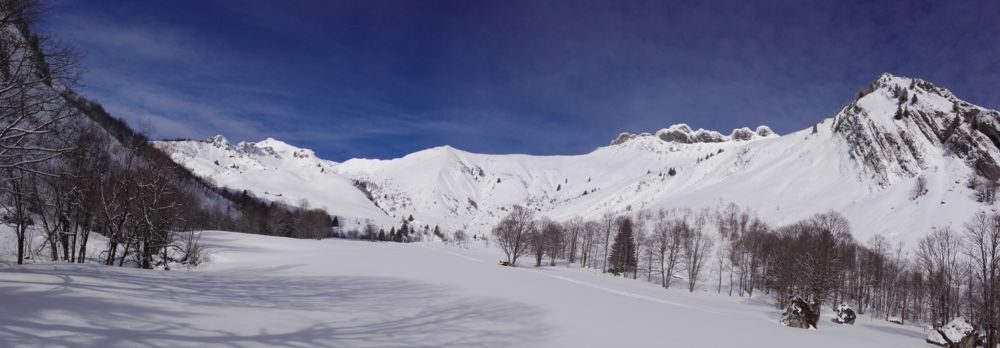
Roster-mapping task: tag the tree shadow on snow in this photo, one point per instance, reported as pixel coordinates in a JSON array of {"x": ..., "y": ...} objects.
[
  {"x": 105, "y": 307},
  {"x": 909, "y": 332}
]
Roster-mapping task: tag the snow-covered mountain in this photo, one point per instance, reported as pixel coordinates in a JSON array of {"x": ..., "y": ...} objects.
[
  {"x": 864, "y": 162},
  {"x": 276, "y": 171}
]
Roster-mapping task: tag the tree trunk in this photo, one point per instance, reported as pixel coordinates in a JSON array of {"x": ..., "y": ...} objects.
[
  {"x": 20, "y": 248},
  {"x": 65, "y": 246},
  {"x": 663, "y": 273},
  {"x": 112, "y": 252},
  {"x": 121, "y": 261},
  {"x": 572, "y": 247},
  {"x": 81, "y": 255},
  {"x": 719, "y": 288},
  {"x": 730, "y": 283},
  {"x": 607, "y": 240},
  {"x": 54, "y": 245},
  {"x": 146, "y": 256}
]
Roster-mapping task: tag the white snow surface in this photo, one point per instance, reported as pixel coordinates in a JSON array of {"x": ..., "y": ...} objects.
[
  {"x": 261, "y": 291},
  {"x": 276, "y": 171},
  {"x": 783, "y": 178}
]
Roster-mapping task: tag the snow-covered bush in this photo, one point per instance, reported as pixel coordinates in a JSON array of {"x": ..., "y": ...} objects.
[{"x": 192, "y": 252}]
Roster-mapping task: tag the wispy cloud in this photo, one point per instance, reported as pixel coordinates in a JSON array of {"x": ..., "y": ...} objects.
[
  {"x": 147, "y": 43},
  {"x": 139, "y": 71}
]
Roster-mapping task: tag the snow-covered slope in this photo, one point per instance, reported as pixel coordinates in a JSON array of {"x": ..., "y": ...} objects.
[
  {"x": 864, "y": 162},
  {"x": 276, "y": 171}
]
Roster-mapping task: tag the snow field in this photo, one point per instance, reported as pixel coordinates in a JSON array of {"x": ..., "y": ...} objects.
[{"x": 269, "y": 291}]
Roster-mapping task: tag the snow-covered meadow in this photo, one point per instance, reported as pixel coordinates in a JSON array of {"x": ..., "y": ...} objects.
[{"x": 270, "y": 291}]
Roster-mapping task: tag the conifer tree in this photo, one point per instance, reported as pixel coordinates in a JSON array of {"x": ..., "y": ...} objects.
[{"x": 623, "y": 251}]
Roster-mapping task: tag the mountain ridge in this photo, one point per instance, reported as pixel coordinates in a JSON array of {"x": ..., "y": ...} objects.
[{"x": 863, "y": 161}]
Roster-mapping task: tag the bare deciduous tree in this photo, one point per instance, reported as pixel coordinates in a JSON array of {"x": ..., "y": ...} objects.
[
  {"x": 552, "y": 236},
  {"x": 983, "y": 248},
  {"x": 697, "y": 246},
  {"x": 937, "y": 256},
  {"x": 513, "y": 233}
]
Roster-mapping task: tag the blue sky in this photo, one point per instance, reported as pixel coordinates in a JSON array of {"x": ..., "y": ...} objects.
[{"x": 380, "y": 79}]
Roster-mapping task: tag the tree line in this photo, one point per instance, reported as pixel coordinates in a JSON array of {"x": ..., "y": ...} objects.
[{"x": 730, "y": 250}]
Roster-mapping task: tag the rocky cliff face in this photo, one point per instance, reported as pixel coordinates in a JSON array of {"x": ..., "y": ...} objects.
[
  {"x": 683, "y": 134},
  {"x": 894, "y": 124}
]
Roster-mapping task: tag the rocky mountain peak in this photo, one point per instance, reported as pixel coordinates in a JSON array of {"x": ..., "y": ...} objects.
[
  {"x": 682, "y": 133},
  {"x": 891, "y": 125}
]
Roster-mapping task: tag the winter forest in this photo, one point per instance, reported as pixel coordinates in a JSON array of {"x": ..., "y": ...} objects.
[
  {"x": 875, "y": 226},
  {"x": 815, "y": 260}
]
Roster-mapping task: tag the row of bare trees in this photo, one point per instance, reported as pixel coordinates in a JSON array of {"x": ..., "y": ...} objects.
[
  {"x": 68, "y": 169},
  {"x": 948, "y": 273},
  {"x": 62, "y": 176},
  {"x": 615, "y": 244},
  {"x": 31, "y": 110}
]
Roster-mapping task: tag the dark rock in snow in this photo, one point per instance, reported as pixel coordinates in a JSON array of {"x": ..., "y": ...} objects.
[
  {"x": 959, "y": 333},
  {"x": 845, "y": 315},
  {"x": 800, "y": 314}
]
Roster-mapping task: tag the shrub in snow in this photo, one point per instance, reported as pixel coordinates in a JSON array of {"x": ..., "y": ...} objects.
[
  {"x": 920, "y": 188},
  {"x": 845, "y": 315},
  {"x": 800, "y": 314},
  {"x": 986, "y": 189},
  {"x": 957, "y": 333}
]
